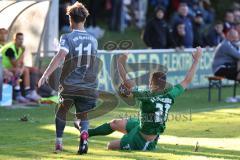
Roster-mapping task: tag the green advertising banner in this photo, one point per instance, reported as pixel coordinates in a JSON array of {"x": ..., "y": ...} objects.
[{"x": 177, "y": 64}]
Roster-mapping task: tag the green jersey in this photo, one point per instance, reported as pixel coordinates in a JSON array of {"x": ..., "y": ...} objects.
[{"x": 154, "y": 108}]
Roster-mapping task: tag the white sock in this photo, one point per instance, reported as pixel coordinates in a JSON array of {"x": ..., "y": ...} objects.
[
  {"x": 17, "y": 87},
  {"x": 58, "y": 140},
  {"x": 27, "y": 88}
]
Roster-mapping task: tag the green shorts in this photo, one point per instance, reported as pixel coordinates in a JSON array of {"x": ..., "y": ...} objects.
[{"x": 133, "y": 140}]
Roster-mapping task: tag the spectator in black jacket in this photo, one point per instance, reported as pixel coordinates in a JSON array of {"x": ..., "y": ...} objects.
[
  {"x": 156, "y": 31},
  {"x": 237, "y": 27},
  {"x": 229, "y": 21},
  {"x": 178, "y": 35},
  {"x": 183, "y": 16},
  {"x": 198, "y": 30},
  {"x": 215, "y": 35}
]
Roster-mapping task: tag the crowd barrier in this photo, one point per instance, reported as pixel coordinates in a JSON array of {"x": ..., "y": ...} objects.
[
  {"x": 1, "y": 77},
  {"x": 176, "y": 62}
]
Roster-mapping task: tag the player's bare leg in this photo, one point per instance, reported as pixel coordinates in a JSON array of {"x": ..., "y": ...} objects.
[
  {"x": 26, "y": 75},
  {"x": 114, "y": 145},
  {"x": 30, "y": 94},
  {"x": 60, "y": 122}
]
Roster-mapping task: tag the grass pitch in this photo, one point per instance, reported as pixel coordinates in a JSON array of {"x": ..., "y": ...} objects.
[{"x": 214, "y": 126}]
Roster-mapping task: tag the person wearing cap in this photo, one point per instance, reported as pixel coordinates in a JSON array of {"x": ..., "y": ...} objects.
[
  {"x": 156, "y": 31},
  {"x": 198, "y": 29}
]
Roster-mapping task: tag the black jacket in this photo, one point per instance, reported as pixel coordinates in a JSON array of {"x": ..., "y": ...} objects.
[
  {"x": 198, "y": 32},
  {"x": 213, "y": 38},
  {"x": 156, "y": 34}
]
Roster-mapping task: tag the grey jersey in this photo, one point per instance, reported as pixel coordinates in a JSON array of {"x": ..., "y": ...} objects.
[
  {"x": 81, "y": 65},
  {"x": 225, "y": 54}
]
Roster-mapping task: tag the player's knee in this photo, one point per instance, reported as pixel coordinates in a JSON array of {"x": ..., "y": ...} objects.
[
  {"x": 61, "y": 113},
  {"x": 114, "y": 145},
  {"x": 113, "y": 124},
  {"x": 110, "y": 146},
  {"x": 82, "y": 116}
]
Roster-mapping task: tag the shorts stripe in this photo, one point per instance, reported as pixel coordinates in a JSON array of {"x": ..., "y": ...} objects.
[{"x": 146, "y": 145}]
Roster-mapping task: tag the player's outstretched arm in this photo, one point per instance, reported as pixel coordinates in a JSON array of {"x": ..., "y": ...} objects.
[
  {"x": 189, "y": 76},
  {"x": 57, "y": 59},
  {"x": 122, "y": 71}
]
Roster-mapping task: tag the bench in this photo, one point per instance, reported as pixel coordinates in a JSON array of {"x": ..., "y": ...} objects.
[{"x": 216, "y": 81}]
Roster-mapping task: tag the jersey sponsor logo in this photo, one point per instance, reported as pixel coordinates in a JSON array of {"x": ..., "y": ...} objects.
[
  {"x": 164, "y": 100},
  {"x": 81, "y": 37}
]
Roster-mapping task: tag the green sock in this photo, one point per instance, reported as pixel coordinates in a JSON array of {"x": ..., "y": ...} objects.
[{"x": 104, "y": 129}]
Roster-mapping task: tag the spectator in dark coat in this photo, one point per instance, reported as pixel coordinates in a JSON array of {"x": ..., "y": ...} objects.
[
  {"x": 229, "y": 21},
  {"x": 237, "y": 27},
  {"x": 215, "y": 35},
  {"x": 178, "y": 35},
  {"x": 198, "y": 29},
  {"x": 156, "y": 31},
  {"x": 182, "y": 16}
]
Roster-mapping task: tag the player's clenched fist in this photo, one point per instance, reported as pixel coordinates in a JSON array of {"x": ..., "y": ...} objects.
[{"x": 197, "y": 54}]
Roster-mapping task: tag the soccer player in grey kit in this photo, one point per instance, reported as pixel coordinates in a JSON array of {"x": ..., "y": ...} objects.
[{"x": 78, "y": 81}]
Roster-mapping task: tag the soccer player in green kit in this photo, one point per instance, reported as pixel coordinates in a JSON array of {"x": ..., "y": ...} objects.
[{"x": 155, "y": 103}]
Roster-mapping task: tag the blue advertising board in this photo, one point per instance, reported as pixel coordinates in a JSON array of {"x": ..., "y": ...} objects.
[
  {"x": 1, "y": 78},
  {"x": 177, "y": 64}
]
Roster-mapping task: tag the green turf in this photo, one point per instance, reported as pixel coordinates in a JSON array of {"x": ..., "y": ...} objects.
[
  {"x": 130, "y": 33},
  {"x": 215, "y": 126}
]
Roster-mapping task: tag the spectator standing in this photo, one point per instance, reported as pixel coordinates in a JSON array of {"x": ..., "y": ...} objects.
[
  {"x": 236, "y": 14},
  {"x": 63, "y": 18},
  {"x": 207, "y": 10},
  {"x": 178, "y": 35},
  {"x": 237, "y": 27},
  {"x": 156, "y": 31},
  {"x": 182, "y": 16},
  {"x": 227, "y": 56},
  {"x": 229, "y": 21},
  {"x": 198, "y": 29},
  {"x": 115, "y": 12},
  {"x": 215, "y": 35}
]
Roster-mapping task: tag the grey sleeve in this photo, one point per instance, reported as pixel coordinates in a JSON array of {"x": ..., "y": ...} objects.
[
  {"x": 232, "y": 51},
  {"x": 64, "y": 43}
]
